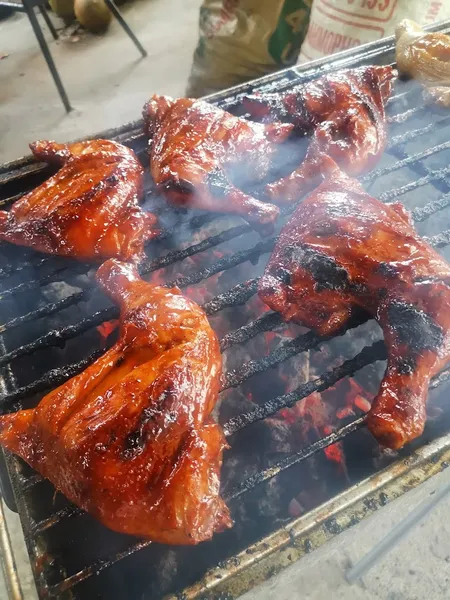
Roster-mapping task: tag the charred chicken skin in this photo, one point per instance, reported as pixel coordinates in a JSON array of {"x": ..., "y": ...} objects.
[
  {"x": 194, "y": 148},
  {"x": 345, "y": 114},
  {"x": 343, "y": 250},
  {"x": 89, "y": 209},
  {"x": 131, "y": 440}
]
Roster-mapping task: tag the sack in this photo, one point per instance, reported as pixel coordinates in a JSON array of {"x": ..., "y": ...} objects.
[
  {"x": 243, "y": 39},
  {"x": 340, "y": 24}
]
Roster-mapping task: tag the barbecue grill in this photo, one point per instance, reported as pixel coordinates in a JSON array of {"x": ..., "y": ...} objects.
[{"x": 53, "y": 326}]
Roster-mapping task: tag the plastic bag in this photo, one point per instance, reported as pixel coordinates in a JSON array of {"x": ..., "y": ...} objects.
[{"x": 340, "y": 24}]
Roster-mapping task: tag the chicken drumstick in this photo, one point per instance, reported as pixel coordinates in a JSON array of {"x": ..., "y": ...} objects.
[
  {"x": 131, "y": 439},
  {"x": 343, "y": 250}
]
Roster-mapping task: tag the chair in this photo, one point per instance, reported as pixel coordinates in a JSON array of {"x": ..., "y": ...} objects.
[{"x": 28, "y": 6}]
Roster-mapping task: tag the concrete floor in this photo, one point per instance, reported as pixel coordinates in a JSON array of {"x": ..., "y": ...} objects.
[
  {"x": 105, "y": 77},
  {"x": 417, "y": 568},
  {"x": 107, "y": 83}
]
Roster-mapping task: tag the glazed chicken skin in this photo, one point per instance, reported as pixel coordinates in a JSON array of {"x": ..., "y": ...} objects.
[
  {"x": 89, "y": 209},
  {"x": 195, "y": 147},
  {"x": 131, "y": 440},
  {"x": 344, "y": 112},
  {"x": 344, "y": 251}
]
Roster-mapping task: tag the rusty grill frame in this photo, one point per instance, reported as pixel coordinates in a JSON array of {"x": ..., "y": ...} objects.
[{"x": 301, "y": 535}]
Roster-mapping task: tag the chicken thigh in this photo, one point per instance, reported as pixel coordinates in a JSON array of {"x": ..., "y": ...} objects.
[
  {"x": 195, "y": 148},
  {"x": 343, "y": 250},
  {"x": 345, "y": 114},
  {"x": 131, "y": 440},
  {"x": 89, "y": 209}
]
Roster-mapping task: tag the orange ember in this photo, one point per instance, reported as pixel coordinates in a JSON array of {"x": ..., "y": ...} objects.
[
  {"x": 362, "y": 403},
  {"x": 348, "y": 395},
  {"x": 105, "y": 329},
  {"x": 335, "y": 452}
]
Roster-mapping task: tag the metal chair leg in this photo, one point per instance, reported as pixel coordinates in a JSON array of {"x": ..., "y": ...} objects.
[
  {"x": 47, "y": 19},
  {"x": 48, "y": 57},
  {"x": 115, "y": 11}
]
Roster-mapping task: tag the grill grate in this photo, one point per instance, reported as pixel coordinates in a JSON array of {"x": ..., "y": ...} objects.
[{"x": 22, "y": 273}]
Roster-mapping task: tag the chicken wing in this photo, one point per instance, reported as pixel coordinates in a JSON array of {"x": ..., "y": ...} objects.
[
  {"x": 343, "y": 250},
  {"x": 131, "y": 439},
  {"x": 195, "y": 149},
  {"x": 89, "y": 209},
  {"x": 344, "y": 113}
]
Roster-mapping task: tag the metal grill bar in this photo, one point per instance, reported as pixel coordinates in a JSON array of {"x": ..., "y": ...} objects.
[
  {"x": 422, "y": 213},
  {"x": 437, "y": 175},
  {"x": 404, "y": 116},
  {"x": 47, "y": 310},
  {"x": 409, "y": 160},
  {"x": 9, "y": 270},
  {"x": 367, "y": 356},
  {"x": 439, "y": 240},
  {"x": 287, "y": 350},
  {"x": 294, "y": 459},
  {"x": 236, "y": 296},
  {"x": 77, "y": 269},
  {"x": 404, "y": 138},
  {"x": 95, "y": 568},
  {"x": 267, "y": 322},
  {"x": 58, "y": 337},
  {"x": 65, "y": 513},
  {"x": 52, "y": 379},
  {"x": 8, "y": 201},
  {"x": 441, "y": 185}
]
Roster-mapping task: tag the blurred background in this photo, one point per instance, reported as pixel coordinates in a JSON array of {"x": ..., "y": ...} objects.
[
  {"x": 105, "y": 77},
  {"x": 192, "y": 47}
]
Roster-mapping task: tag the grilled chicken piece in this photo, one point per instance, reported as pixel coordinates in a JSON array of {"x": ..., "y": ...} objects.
[
  {"x": 195, "y": 148},
  {"x": 344, "y": 113},
  {"x": 343, "y": 250},
  {"x": 89, "y": 209},
  {"x": 425, "y": 55},
  {"x": 131, "y": 439}
]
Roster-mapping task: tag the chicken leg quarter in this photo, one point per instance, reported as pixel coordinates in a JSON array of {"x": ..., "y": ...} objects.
[
  {"x": 131, "y": 439},
  {"x": 344, "y": 112},
  {"x": 343, "y": 250},
  {"x": 195, "y": 148},
  {"x": 89, "y": 209}
]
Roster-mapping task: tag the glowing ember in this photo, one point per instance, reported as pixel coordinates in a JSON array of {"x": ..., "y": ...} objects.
[
  {"x": 318, "y": 415},
  {"x": 351, "y": 396},
  {"x": 335, "y": 452},
  {"x": 105, "y": 329}
]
